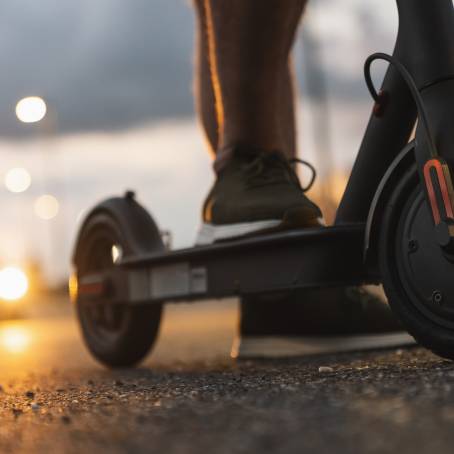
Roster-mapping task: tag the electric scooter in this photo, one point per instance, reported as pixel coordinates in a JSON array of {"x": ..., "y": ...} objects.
[{"x": 394, "y": 224}]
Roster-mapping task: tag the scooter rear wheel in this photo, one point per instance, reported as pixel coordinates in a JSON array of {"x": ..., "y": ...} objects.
[
  {"x": 417, "y": 275},
  {"x": 117, "y": 334}
]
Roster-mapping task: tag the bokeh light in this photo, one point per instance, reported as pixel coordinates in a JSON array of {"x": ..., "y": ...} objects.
[
  {"x": 46, "y": 207},
  {"x": 17, "y": 179},
  {"x": 73, "y": 286},
  {"x": 13, "y": 283},
  {"x": 14, "y": 339},
  {"x": 31, "y": 109},
  {"x": 117, "y": 253}
]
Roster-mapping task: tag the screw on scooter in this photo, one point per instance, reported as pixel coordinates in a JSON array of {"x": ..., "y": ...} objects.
[{"x": 394, "y": 225}]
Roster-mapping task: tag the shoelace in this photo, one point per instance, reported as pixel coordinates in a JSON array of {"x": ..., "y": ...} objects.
[
  {"x": 310, "y": 167},
  {"x": 269, "y": 166}
]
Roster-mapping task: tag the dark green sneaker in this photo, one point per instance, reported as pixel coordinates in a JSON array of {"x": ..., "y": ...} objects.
[
  {"x": 256, "y": 192},
  {"x": 315, "y": 321}
]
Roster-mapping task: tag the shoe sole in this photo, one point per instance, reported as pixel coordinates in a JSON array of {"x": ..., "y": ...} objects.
[
  {"x": 282, "y": 347},
  {"x": 211, "y": 233}
]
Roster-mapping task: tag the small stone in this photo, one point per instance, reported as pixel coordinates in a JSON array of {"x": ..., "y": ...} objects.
[
  {"x": 325, "y": 369},
  {"x": 34, "y": 406},
  {"x": 118, "y": 383},
  {"x": 30, "y": 394},
  {"x": 17, "y": 412},
  {"x": 65, "y": 419},
  {"x": 1, "y": 389}
]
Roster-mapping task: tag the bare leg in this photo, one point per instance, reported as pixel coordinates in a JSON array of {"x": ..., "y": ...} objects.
[
  {"x": 246, "y": 105},
  {"x": 203, "y": 87},
  {"x": 244, "y": 83},
  {"x": 245, "y": 97}
]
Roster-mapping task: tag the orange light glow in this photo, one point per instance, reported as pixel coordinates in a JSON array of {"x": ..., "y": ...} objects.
[
  {"x": 14, "y": 339},
  {"x": 13, "y": 283},
  {"x": 73, "y": 287}
]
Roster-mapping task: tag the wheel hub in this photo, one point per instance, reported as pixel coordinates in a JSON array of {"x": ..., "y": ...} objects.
[{"x": 426, "y": 271}]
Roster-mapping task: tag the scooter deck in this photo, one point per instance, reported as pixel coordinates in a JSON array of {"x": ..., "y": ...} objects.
[{"x": 284, "y": 261}]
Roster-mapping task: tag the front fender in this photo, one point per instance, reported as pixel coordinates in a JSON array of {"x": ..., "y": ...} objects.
[{"x": 401, "y": 164}]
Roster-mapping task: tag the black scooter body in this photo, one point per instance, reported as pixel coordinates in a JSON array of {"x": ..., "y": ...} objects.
[{"x": 394, "y": 218}]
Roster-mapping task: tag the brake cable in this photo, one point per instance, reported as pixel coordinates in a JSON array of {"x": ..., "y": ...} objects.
[{"x": 408, "y": 79}]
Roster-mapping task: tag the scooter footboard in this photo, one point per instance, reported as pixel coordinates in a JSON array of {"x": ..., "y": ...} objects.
[{"x": 280, "y": 262}]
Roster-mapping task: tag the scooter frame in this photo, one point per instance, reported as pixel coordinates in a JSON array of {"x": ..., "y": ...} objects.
[
  {"x": 333, "y": 255},
  {"x": 342, "y": 254}
]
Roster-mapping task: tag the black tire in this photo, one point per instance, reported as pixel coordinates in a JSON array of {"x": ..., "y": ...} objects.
[
  {"x": 407, "y": 285},
  {"x": 117, "y": 335}
]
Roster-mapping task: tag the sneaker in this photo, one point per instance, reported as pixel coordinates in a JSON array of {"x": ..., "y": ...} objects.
[
  {"x": 316, "y": 321},
  {"x": 256, "y": 192}
]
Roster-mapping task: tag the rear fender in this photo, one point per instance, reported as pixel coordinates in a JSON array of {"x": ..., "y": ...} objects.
[{"x": 135, "y": 222}]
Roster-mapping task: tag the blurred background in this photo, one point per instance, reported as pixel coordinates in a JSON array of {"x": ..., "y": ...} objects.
[{"x": 96, "y": 98}]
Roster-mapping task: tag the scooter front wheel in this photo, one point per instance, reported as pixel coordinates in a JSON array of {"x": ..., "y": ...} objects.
[
  {"x": 117, "y": 333},
  {"x": 417, "y": 274}
]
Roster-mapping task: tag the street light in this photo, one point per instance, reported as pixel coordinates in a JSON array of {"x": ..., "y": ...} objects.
[
  {"x": 13, "y": 283},
  {"x": 31, "y": 109}
]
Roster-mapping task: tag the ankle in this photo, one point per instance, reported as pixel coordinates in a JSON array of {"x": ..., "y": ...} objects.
[{"x": 225, "y": 154}]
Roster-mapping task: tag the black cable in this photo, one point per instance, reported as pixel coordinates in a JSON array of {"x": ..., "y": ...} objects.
[{"x": 407, "y": 77}]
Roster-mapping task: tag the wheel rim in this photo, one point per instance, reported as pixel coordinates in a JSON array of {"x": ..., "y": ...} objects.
[{"x": 104, "y": 320}]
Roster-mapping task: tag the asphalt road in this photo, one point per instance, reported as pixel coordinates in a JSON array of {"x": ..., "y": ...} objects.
[{"x": 190, "y": 397}]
